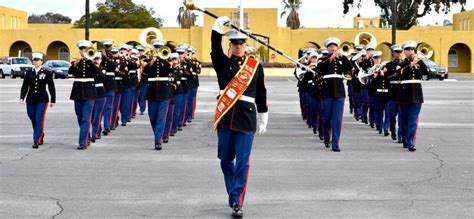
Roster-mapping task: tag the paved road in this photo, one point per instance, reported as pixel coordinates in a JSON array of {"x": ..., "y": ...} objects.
[{"x": 292, "y": 174}]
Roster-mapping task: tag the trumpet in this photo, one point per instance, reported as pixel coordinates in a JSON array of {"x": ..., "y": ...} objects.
[{"x": 90, "y": 53}]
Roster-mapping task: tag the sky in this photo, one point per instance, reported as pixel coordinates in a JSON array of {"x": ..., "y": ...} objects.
[{"x": 313, "y": 13}]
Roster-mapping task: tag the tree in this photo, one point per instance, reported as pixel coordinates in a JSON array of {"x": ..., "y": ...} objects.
[
  {"x": 186, "y": 18},
  {"x": 121, "y": 14},
  {"x": 291, "y": 7},
  {"x": 49, "y": 18},
  {"x": 403, "y": 14}
]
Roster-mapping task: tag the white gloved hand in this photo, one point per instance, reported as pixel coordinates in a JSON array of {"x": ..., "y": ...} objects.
[
  {"x": 220, "y": 23},
  {"x": 262, "y": 122}
]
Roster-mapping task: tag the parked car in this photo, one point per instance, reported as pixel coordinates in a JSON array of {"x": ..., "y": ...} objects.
[
  {"x": 435, "y": 71},
  {"x": 60, "y": 68},
  {"x": 15, "y": 66}
]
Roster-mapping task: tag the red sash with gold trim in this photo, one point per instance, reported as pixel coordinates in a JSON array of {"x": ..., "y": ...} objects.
[{"x": 235, "y": 89}]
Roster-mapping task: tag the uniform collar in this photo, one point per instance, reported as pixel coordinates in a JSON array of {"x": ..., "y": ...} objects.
[
  {"x": 37, "y": 69},
  {"x": 237, "y": 59}
]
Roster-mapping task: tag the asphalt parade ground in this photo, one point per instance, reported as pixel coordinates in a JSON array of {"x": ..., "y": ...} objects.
[{"x": 292, "y": 174}]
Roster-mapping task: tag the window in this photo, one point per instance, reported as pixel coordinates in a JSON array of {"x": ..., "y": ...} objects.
[
  {"x": 11, "y": 22},
  {"x": 453, "y": 58},
  {"x": 19, "y": 23},
  {"x": 64, "y": 54},
  {"x": 3, "y": 21},
  {"x": 14, "y": 22}
]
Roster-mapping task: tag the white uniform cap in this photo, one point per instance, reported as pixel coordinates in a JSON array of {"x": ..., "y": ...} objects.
[
  {"x": 124, "y": 47},
  {"x": 181, "y": 49},
  {"x": 37, "y": 55},
  {"x": 249, "y": 49},
  {"x": 314, "y": 54},
  {"x": 114, "y": 50},
  {"x": 236, "y": 36},
  {"x": 409, "y": 44},
  {"x": 323, "y": 51},
  {"x": 157, "y": 42},
  {"x": 174, "y": 55},
  {"x": 134, "y": 51},
  {"x": 98, "y": 55},
  {"x": 357, "y": 56},
  {"x": 396, "y": 48},
  {"x": 83, "y": 43},
  {"x": 140, "y": 47},
  {"x": 377, "y": 54},
  {"x": 359, "y": 47},
  {"x": 107, "y": 42},
  {"x": 369, "y": 46},
  {"x": 332, "y": 40}
]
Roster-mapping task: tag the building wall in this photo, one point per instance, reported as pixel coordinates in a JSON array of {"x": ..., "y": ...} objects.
[
  {"x": 40, "y": 37},
  {"x": 464, "y": 21},
  {"x": 13, "y": 19}
]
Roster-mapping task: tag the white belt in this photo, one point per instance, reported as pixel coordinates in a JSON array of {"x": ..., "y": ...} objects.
[
  {"x": 382, "y": 90},
  {"x": 179, "y": 82},
  {"x": 310, "y": 82},
  {"x": 132, "y": 71},
  {"x": 247, "y": 99},
  {"x": 243, "y": 97},
  {"x": 83, "y": 79},
  {"x": 159, "y": 79},
  {"x": 118, "y": 78},
  {"x": 411, "y": 81},
  {"x": 99, "y": 85},
  {"x": 394, "y": 82},
  {"x": 110, "y": 73},
  {"x": 332, "y": 76},
  {"x": 194, "y": 73},
  {"x": 184, "y": 79}
]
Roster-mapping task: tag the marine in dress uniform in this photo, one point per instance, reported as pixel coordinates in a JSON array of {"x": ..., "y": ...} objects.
[
  {"x": 37, "y": 98},
  {"x": 84, "y": 92},
  {"x": 367, "y": 102},
  {"x": 133, "y": 70},
  {"x": 394, "y": 78},
  {"x": 110, "y": 66},
  {"x": 332, "y": 70},
  {"x": 312, "y": 94},
  {"x": 170, "y": 117},
  {"x": 357, "y": 86},
  {"x": 119, "y": 79},
  {"x": 410, "y": 95},
  {"x": 128, "y": 89},
  {"x": 99, "y": 104},
  {"x": 159, "y": 93},
  {"x": 186, "y": 82},
  {"x": 350, "y": 90},
  {"x": 196, "y": 67},
  {"x": 179, "y": 101},
  {"x": 236, "y": 128},
  {"x": 381, "y": 83},
  {"x": 142, "y": 81}
]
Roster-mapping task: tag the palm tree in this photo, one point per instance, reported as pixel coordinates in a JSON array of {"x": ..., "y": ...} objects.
[
  {"x": 186, "y": 18},
  {"x": 291, "y": 7}
]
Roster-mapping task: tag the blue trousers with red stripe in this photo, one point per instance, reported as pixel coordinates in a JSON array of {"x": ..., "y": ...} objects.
[
  {"x": 314, "y": 106},
  {"x": 184, "y": 109},
  {"x": 142, "y": 97},
  {"x": 177, "y": 115},
  {"x": 364, "y": 103},
  {"x": 382, "y": 113},
  {"x": 234, "y": 149},
  {"x": 83, "y": 109},
  {"x": 169, "y": 120},
  {"x": 409, "y": 121},
  {"x": 157, "y": 111},
  {"x": 333, "y": 109},
  {"x": 97, "y": 117},
  {"x": 190, "y": 104},
  {"x": 126, "y": 105},
  {"x": 108, "y": 108},
  {"x": 37, "y": 114},
  {"x": 115, "y": 109}
]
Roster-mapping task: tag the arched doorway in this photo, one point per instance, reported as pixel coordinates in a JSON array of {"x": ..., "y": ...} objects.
[
  {"x": 386, "y": 50},
  {"x": 20, "y": 49},
  {"x": 459, "y": 58},
  {"x": 58, "y": 50}
]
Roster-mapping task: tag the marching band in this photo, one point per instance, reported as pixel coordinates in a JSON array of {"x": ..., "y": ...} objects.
[{"x": 380, "y": 93}]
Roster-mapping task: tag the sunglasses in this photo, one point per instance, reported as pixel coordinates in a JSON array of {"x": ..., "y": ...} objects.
[
  {"x": 35, "y": 60},
  {"x": 82, "y": 47}
]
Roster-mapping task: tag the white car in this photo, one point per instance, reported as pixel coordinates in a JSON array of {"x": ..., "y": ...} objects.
[{"x": 15, "y": 66}]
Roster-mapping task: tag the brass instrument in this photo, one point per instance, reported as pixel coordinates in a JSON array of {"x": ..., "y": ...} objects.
[
  {"x": 425, "y": 50},
  {"x": 365, "y": 38},
  {"x": 149, "y": 34},
  {"x": 346, "y": 48},
  {"x": 364, "y": 76},
  {"x": 164, "y": 52}
]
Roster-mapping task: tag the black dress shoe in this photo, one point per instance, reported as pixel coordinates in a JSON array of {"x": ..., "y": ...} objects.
[
  {"x": 372, "y": 125},
  {"x": 405, "y": 146},
  {"x": 158, "y": 147},
  {"x": 321, "y": 138},
  {"x": 412, "y": 148},
  {"x": 327, "y": 144},
  {"x": 237, "y": 211},
  {"x": 365, "y": 121},
  {"x": 172, "y": 134},
  {"x": 124, "y": 124},
  {"x": 35, "y": 146},
  {"x": 105, "y": 132},
  {"x": 399, "y": 141},
  {"x": 386, "y": 134},
  {"x": 141, "y": 113},
  {"x": 129, "y": 120},
  {"x": 113, "y": 128},
  {"x": 357, "y": 118},
  {"x": 336, "y": 149},
  {"x": 180, "y": 129},
  {"x": 165, "y": 140},
  {"x": 184, "y": 125},
  {"x": 81, "y": 147},
  {"x": 380, "y": 131},
  {"x": 93, "y": 140},
  {"x": 394, "y": 136},
  {"x": 315, "y": 130},
  {"x": 189, "y": 121},
  {"x": 41, "y": 142}
]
